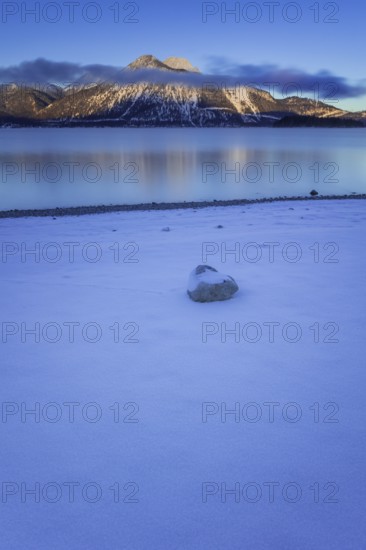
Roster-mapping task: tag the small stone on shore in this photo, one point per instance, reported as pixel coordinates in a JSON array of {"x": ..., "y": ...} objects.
[{"x": 206, "y": 284}]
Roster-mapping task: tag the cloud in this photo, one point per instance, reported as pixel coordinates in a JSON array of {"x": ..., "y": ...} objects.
[
  {"x": 43, "y": 71},
  {"x": 325, "y": 83},
  {"x": 272, "y": 78}
]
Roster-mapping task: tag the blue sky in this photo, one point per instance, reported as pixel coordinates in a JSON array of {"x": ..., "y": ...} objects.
[{"x": 164, "y": 28}]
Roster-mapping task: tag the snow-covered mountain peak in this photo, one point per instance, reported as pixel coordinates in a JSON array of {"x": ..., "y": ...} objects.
[
  {"x": 180, "y": 63},
  {"x": 147, "y": 62}
]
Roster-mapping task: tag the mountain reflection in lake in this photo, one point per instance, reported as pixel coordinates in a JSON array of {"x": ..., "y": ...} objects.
[{"x": 45, "y": 168}]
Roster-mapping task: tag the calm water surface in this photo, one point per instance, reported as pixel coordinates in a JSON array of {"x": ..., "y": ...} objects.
[{"x": 45, "y": 168}]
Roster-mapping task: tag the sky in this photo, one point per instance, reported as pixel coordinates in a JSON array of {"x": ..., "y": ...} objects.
[{"x": 298, "y": 41}]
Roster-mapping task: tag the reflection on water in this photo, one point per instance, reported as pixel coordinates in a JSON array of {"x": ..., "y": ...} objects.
[{"x": 43, "y": 168}]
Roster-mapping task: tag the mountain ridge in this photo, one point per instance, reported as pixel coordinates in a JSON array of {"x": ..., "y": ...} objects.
[{"x": 150, "y": 103}]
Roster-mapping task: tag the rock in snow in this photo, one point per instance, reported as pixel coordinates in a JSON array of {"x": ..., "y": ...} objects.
[{"x": 206, "y": 284}]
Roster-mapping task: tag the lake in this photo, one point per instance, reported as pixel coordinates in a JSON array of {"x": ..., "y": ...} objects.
[{"x": 55, "y": 167}]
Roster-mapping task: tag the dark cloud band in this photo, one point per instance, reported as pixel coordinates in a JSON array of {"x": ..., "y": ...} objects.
[{"x": 269, "y": 77}]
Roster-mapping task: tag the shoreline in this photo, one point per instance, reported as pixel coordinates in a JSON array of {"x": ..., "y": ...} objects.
[{"x": 103, "y": 209}]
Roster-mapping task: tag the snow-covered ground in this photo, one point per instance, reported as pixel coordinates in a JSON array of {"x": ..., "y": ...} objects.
[{"x": 294, "y": 362}]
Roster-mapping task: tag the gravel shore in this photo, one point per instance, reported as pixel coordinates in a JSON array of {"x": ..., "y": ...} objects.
[{"x": 102, "y": 209}]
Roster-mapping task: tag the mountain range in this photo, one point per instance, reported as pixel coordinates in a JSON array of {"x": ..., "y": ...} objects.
[{"x": 148, "y": 95}]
